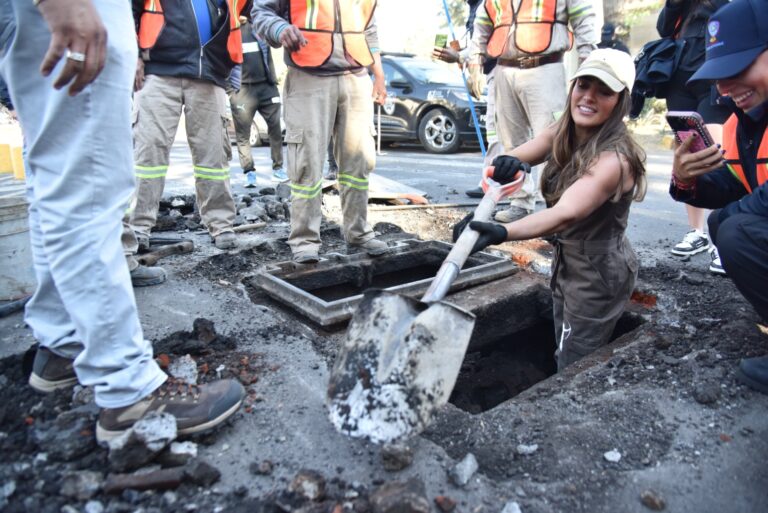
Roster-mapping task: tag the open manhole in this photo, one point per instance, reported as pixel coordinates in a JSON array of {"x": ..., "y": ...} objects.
[
  {"x": 329, "y": 292},
  {"x": 513, "y": 362}
]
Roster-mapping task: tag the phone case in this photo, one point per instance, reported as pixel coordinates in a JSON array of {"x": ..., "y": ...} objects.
[{"x": 685, "y": 124}]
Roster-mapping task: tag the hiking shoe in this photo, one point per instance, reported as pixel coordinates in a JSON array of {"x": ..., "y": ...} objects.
[
  {"x": 250, "y": 179},
  {"x": 511, "y": 214},
  {"x": 51, "y": 371},
  {"x": 715, "y": 265},
  {"x": 196, "y": 407},
  {"x": 693, "y": 242},
  {"x": 279, "y": 175},
  {"x": 332, "y": 174},
  {"x": 144, "y": 276},
  {"x": 306, "y": 257},
  {"x": 226, "y": 240},
  {"x": 477, "y": 192},
  {"x": 373, "y": 247},
  {"x": 753, "y": 372}
]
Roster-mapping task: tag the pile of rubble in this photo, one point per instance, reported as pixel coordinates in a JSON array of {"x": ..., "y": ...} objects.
[{"x": 267, "y": 204}]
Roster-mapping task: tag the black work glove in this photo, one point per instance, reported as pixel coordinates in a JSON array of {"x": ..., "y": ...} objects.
[
  {"x": 505, "y": 167},
  {"x": 490, "y": 233},
  {"x": 459, "y": 227}
]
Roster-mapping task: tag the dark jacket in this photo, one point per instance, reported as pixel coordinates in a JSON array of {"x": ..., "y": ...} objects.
[
  {"x": 257, "y": 63},
  {"x": 720, "y": 189},
  {"x": 179, "y": 52},
  {"x": 690, "y": 17}
]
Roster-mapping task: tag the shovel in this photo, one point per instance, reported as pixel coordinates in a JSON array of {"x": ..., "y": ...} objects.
[{"x": 401, "y": 357}]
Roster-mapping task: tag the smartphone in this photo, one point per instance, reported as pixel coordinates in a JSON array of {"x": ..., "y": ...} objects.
[{"x": 687, "y": 123}]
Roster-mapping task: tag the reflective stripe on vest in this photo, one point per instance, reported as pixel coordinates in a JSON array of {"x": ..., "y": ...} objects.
[
  {"x": 152, "y": 22},
  {"x": 534, "y": 22},
  {"x": 317, "y": 21},
  {"x": 731, "y": 149}
]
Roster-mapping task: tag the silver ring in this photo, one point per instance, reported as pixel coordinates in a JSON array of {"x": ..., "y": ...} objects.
[{"x": 76, "y": 56}]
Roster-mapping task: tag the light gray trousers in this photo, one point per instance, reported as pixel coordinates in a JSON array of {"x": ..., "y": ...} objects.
[
  {"x": 527, "y": 102},
  {"x": 79, "y": 180}
]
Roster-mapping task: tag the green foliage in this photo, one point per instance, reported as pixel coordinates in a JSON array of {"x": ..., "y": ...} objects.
[
  {"x": 633, "y": 12},
  {"x": 459, "y": 11}
]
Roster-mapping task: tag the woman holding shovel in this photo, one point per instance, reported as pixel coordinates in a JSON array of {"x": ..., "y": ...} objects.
[{"x": 594, "y": 169}]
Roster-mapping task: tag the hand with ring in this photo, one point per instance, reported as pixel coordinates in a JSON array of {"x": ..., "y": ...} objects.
[{"x": 78, "y": 35}]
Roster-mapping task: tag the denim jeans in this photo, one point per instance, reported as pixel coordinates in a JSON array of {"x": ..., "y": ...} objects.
[{"x": 79, "y": 180}]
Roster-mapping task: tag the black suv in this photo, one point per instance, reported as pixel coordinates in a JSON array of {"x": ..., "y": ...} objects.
[{"x": 427, "y": 101}]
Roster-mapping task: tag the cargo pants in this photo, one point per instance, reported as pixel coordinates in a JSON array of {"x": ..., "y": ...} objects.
[
  {"x": 79, "y": 181},
  {"x": 527, "y": 102},
  {"x": 157, "y": 110},
  {"x": 316, "y": 108}
]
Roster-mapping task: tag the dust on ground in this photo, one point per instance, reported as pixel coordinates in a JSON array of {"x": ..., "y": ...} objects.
[{"x": 663, "y": 397}]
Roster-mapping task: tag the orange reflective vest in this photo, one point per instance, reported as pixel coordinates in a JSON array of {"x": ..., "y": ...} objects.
[
  {"x": 317, "y": 21},
  {"x": 732, "y": 149},
  {"x": 152, "y": 22},
  {"x": 534, "y": 22}
]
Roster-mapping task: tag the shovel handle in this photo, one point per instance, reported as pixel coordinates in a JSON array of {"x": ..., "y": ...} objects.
[{"x": 462, "y": 248}]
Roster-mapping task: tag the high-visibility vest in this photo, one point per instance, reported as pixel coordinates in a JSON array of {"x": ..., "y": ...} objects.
[
  {"x": 534, "y": 22},
  {"x": 152, "y": 22},
  {"x": 732, "y": 149},
  {"x": 317, "y": 21}
]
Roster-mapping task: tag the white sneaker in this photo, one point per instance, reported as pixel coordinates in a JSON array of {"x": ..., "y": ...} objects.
[
  {"x": 715, "y": 265},
  {"x": 693, "y": 242}
]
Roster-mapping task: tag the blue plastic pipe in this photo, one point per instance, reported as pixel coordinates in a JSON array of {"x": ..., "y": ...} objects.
[{"x": 466, "y": 87}]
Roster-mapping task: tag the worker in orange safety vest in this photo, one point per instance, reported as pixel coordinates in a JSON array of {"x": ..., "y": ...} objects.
[
  {"x": 187, "y": 49},
  {"x": 329, "y": 47},
  {"x": 528, "y": 39}
]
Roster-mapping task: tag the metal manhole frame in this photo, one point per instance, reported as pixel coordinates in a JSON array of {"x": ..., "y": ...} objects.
[{"x": 327, "y": 313}]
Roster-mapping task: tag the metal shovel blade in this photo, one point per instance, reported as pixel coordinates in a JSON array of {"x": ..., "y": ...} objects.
[{"x": 398, "y": 365}]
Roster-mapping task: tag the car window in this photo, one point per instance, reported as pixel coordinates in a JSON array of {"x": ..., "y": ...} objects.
[
  {"x": 434, "y": 72},
  {"x": 391, "y": 74}
]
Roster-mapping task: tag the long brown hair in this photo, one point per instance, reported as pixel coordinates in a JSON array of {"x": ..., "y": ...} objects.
[{"x": 567, "y": 162}]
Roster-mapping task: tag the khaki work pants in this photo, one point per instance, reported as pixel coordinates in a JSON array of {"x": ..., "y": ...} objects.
[
  {"x": 527, "y": 102},
  {"x": 157, "y": 110},
  {"x": 317, "y": 108}
]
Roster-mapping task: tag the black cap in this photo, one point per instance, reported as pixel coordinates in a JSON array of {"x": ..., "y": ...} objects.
[
  {"x": 734, "y": 39},
  {"x": 608, "y": 30}
]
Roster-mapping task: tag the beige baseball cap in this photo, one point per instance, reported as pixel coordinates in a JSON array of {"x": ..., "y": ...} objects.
[{"x": 614, "y": 68}]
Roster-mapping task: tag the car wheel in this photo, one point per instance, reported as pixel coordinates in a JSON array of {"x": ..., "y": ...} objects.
[
  {"x": 438, "y": 132},
  {"x": 255, "y": 140}
]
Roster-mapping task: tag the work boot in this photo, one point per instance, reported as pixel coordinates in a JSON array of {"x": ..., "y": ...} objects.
[
  {"x": 226, "y": 240},
  {"x": 373, "y": 247},
  {"x": 51, "y": 371},
  {"x": 477, "y": 192},
  {"x": 511, "y": 214},
  {"x": 753, "y": 372},
  {"x": 144, "y": 276},
  {"x": 196, "y": 407},
  {"x": 306, "y": 257}
]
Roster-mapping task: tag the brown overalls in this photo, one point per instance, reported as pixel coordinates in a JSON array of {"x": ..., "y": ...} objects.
[{"x": 593, "y": 275}]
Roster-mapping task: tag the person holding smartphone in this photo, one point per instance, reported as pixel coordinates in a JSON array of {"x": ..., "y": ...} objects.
[
  {"x": 593, "y": 172},
  {"x": 686, "y": 20},
  {"x": 732, "y": 180}
]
